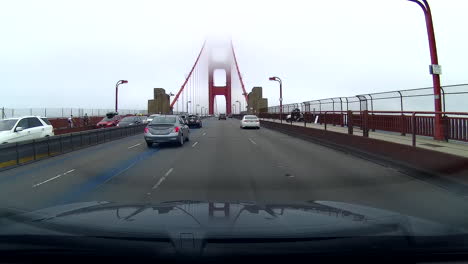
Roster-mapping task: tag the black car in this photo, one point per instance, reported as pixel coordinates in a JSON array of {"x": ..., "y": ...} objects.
[
  {"x": 194, "y": 121},
  {"x": 130, "y": 121},
  {"x": 222, "y": 116}
]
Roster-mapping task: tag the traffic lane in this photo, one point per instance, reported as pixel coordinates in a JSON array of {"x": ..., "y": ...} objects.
[
  {"x": 136, "y": 183},
  {"x": 123, "y": 182},
  {"x": 210, "y": 170},
  {"x": 19, "y": 187},
  {"x": 326, "y": 174}
]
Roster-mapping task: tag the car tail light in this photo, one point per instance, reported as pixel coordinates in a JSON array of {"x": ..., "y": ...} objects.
[
  {"x": 146, "y": 130},
  {"x": 176, "y": 129}
]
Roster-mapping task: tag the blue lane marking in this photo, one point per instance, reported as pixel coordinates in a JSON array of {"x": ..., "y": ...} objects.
[
  {"x": 102, "y": 178},
  {"x": 48, "y": 163}
]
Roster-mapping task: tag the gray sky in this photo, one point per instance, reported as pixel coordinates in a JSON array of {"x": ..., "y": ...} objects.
[{"x": 71, "y": 53}]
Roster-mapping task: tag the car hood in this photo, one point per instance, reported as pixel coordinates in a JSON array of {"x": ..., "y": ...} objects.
[{"x": 211, "y": 220}]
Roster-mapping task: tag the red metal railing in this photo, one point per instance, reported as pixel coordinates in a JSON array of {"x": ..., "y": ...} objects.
[{"x": 455, "y": 124}]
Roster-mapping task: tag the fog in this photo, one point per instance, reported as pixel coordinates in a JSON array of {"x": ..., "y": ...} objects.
[{"x": 71, "y": 54}]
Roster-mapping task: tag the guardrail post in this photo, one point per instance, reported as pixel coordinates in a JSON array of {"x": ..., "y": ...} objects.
[
  {"x": 304, "y": 117},
  {"x": 325, "y": 120},
  {"x": 403, "y": 125},
  {"x": 48, "y": 146},
  {"x": 372, "y": 122},
  {"x": 17, "y": 154},
  {"x": 413, "y": 128},
  {"x": 446, "y": 125},
  {"x": 350, "y": 122},
  {"x": 34, "y": 149},
  {"x": 365, "y": 125}
]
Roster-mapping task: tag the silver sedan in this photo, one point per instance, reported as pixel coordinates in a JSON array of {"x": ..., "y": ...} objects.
[{"x": 167, "y": 129}]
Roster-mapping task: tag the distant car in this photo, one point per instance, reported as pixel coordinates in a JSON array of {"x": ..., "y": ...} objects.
[
  {"x": 111, "y": 120},
  {"x": 130, "y": 121},
  {"x": 230, "y": 116},
  {"x": 194, "y": 121},
  {"x": 167, "y": 129},
  {"x": 222, "y": 116},
  {"x": 24, "y": 128},
  {"x": 144, "y": 119},
  {"x": 250, "y": 121}
]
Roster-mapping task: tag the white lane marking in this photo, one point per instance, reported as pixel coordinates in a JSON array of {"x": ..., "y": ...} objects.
[
  {"x": 253, "y": 142},
  {"x": 134, "y": 146},
  {"x": 194, "y": 144},
  {"x": 204, "y": 134},
  {"x": 53, "y": 178},
  {"x": 163, "y": 178}
]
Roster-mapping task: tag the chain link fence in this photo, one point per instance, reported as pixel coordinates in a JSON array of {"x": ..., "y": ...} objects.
[{"x": 62, "y": 112}]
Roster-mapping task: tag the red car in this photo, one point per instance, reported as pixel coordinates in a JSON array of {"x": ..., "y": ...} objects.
[{"x": 110, "y": 120}]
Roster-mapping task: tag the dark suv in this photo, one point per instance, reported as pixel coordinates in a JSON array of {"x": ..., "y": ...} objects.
[
  {"x": 222, "y": 116},
  {"x": 194, "y": 121}
]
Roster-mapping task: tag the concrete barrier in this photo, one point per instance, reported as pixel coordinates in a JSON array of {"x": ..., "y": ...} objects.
[{"x": 15, "y": 154}]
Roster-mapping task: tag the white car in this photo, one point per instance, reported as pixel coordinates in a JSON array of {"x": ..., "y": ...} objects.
[
  {"x": 24, "y": 128},
  {"x": 250, "y": 121}
]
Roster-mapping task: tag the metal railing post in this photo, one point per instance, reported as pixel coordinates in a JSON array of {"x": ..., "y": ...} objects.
[
  {"x": 350, "y": 122},
  {"x": 403, "y": 124},
  {"x": 365, "y": 131},
  {"x": 325, "y": 120},
  {"x": 413, "y": 124}
]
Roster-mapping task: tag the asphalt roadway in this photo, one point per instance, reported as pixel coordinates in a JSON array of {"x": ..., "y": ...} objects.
[{"x": 224, "y": 163}]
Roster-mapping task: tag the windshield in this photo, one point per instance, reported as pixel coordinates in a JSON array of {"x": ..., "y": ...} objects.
[
  {"x": 128, "y": 119},
  {"x": 270, "y": 122},
  {"x": 107, "y": 119},
  {"x": 163, "y": 120},
  {"x": 7, "y": 124}
]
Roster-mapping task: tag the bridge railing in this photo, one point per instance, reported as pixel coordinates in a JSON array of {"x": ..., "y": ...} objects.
[
  {"x": 455, "y": 124},
  {"x": 62, "y": 112}
]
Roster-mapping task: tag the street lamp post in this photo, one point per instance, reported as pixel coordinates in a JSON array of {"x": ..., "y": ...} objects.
[
  {"x": 187, "y": 106},
  {"x": 117, "y": 93},
  {"x": 435, "y": 68},
  {"x": 196, "y": 109},
  {"x": 240, "y": 107},
  {"x": 277, "y": 79},
  {"x": 170, "y": 108}
]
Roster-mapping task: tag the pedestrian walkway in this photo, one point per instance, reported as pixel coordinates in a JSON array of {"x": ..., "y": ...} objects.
[{"x": 452, "y": 147}]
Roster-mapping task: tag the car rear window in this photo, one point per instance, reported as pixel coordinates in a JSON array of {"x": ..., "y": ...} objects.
[
  {"x": 45, "y": 120},
  {"x": 250, "y": 117},
  {"x": 164, "y": 120}
]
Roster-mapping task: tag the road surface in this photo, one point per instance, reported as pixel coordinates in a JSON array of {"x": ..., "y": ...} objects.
[{"x": 223, "y": 163}]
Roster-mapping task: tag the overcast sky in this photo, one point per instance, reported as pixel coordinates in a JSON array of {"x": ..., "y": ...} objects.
[{"x": 71, "y": 53}]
